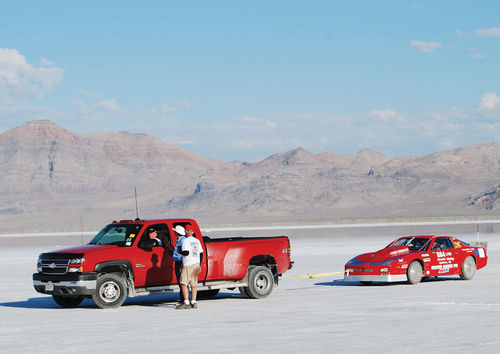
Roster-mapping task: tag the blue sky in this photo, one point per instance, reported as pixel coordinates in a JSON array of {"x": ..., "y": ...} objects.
[{"x": 235, "y": 80}]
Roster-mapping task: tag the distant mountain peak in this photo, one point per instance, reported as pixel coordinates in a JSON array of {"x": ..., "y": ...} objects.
[{"x": 43, "y": 129}]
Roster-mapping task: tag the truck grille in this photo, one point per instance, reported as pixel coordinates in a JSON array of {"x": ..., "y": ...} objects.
[{"x": 54, "y": 266}]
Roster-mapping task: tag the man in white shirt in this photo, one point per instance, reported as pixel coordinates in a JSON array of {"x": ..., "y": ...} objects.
[{"x": 191, "y": 250}]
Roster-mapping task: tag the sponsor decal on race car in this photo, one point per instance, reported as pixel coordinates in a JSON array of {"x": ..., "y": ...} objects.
[{"x": 480, "y": 252}]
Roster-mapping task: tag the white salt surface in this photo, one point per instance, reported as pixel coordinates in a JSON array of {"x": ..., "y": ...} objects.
[{"x": 322, "y": 314}]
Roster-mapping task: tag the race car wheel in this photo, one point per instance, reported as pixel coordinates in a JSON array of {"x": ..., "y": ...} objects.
[
  {"x": 414, "y": 273},
  {"x": 468, "y": 268},
  {"x": 260, "y": 282},
  {"x": 110, "y": 292},
  {"x": 67, "y": 301}
]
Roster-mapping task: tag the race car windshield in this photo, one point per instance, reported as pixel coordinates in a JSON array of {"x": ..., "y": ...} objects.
[
  {"x": 413, "y": 243},
  {"x": 120, "y": 235}
]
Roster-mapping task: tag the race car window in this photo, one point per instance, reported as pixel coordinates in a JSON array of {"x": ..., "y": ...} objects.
[
  {"x": 442, "y": 243},
  {"x": 413, "y": 243}
]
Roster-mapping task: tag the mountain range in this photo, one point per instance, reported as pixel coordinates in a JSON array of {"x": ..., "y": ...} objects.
[{"x": 55, "y": 179}]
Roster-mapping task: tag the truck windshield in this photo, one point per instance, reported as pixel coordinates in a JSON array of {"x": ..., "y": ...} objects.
[{"x": 117, "y": 234}]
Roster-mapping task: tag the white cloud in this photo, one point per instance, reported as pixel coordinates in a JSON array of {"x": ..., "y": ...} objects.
[
  {"x": 110, "y": 105},
  {"x": 487, "y": 32},
  {"x": 427, "y": 47},
  {"x": 461, "y": 34},
  {"x": 176, "y": 106},
  {"x": 254, "y": 120},
  {"x": 478, "y": 55},
  {"x": 387, "y": 115},
  {"x": 18, "y": 79},
  {"x": 490, "y": 101},
  {"x": 88, "y": 93},
  {"x": 46, "y": 62}
]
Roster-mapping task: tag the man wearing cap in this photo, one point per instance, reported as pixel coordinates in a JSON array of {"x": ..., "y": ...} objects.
[
  {"x": 191, "y": 250},
  {"x": 177, "y": 256},
  {"x": 153, "y": 235}
]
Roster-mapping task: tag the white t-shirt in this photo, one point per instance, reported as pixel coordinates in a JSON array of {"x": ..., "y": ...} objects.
[{"x": 193, "y": 245}]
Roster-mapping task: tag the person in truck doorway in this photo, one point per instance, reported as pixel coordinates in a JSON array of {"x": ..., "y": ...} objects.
[
  {"x": 153, "y": 235},
  {"x": 177, "y": 256},
  {"x": 191, "y": 250}
]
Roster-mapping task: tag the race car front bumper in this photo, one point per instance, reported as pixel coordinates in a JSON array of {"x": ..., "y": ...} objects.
[{"x": 385, "y": 277}]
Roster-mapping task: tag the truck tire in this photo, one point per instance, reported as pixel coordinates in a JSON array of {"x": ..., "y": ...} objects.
[
  {"x": 67, "y": 301},
  {"x": 260, "y": 282},
  {"x": 243, "y": 291},
  {"x": 110, "y": 292},
  {"x": 207, "y": 294}
]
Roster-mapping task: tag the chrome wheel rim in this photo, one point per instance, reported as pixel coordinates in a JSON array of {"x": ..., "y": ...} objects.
[{"x": 109, "y": 291}]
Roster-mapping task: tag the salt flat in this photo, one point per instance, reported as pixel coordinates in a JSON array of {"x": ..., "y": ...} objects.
[{"x": 322, "y": 314}]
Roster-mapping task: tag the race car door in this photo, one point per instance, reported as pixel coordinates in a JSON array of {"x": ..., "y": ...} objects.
[{"x": 444, "y": 257}]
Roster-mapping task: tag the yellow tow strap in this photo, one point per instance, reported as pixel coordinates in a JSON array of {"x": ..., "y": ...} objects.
[{"x": 310, "y": 276}]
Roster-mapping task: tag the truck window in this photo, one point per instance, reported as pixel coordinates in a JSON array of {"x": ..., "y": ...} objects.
[
  {"x": 163, "y": 234},
  {"x": 117, "y": 234}
]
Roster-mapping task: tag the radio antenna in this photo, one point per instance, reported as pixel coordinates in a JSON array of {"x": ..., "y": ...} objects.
[{"x": 136, "y": 208}]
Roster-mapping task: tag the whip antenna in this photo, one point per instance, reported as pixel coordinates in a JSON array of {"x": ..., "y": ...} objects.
[{"x": 136, "y": 208}]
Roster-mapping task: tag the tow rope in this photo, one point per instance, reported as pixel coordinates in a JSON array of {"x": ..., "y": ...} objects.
[{"x": 310, "y": 276}]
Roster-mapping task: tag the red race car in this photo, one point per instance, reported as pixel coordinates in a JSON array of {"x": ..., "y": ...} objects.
[{"x": 412, "y": 258}]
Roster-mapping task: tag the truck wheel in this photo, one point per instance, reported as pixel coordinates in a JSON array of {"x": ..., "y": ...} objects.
[
  {"x": 414, "y": 273},
  {"x": 243, "y": 291},
  {"x": 110, "y": 292},
  {"x": 260, "y": 282},
  {"x": 468, "y": 268},
  {"x": 207, "y": 294},
  {"x": 67, "y": 301}
]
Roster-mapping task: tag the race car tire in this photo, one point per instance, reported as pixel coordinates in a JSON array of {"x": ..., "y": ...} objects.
[
  {"x": 67, "y": 301},
  {"x": 468, "y": 268},
  {"x": 110, "y": 292},
  {"x": 414, "y": 273},
  {"x": 260, "y": 282}
]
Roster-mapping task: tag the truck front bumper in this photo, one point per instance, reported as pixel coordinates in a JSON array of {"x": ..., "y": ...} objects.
[{"x": 66, "y": 284}]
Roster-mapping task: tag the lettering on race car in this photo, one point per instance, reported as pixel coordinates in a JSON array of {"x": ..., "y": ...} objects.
[
  {"x": 444, "y": 268},
  {"x": 426, "y": 259}
]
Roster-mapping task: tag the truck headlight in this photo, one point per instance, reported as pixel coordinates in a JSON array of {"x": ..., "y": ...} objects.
[{"x": 75, "y": 265}]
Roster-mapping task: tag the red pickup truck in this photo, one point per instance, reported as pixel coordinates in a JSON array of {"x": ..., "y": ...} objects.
[{"x": 120, "y": 261}]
